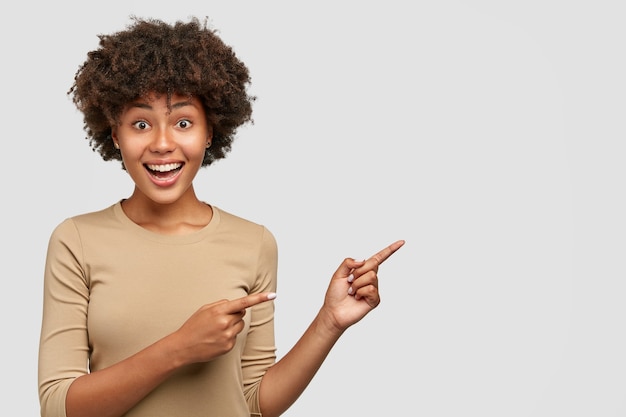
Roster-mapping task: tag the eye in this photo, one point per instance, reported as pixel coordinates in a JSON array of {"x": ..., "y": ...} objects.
[
  {"x": 141, "y": 125},
  {"x": 184, "y": 124}
]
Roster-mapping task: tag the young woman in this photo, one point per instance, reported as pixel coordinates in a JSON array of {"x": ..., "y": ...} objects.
[{"x": 161, "y": 304}]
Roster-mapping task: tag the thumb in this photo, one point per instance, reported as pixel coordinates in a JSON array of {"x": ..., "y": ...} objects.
[{"x": 346, "y": 267}]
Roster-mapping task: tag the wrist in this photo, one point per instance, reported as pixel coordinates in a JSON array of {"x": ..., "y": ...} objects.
[
  {"x": 171, "y": 356},
  {"x": 328, "y": 324}
]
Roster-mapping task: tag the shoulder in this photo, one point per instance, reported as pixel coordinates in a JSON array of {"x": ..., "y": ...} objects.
[
  {"x": 95, "y": 217},
  {"x": 246, "y": 229},
  {"x": 101, "y": 219},
  {"x": 232, "y": 221}
]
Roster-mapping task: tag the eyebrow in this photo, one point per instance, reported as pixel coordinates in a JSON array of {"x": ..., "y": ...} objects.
[
  {"x": 177, "y": 105},
  {"x": 182, "y": 104}
]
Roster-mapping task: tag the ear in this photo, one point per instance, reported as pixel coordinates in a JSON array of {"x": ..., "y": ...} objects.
[
  {"x": 209, "y": 135},
  {"x": 114, "y": 138}
]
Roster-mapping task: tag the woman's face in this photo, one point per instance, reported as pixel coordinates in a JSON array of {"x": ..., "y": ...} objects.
[{"x": 163, "y": 148}]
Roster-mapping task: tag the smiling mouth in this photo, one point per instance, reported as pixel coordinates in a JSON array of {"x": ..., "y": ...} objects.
[{"x": 164, "y": 171}]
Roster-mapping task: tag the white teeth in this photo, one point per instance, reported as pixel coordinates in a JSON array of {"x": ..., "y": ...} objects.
[{"x": 164, "y": 167}]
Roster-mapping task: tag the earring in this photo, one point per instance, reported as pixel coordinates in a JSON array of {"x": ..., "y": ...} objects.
[{"x": 110, "y": 137}]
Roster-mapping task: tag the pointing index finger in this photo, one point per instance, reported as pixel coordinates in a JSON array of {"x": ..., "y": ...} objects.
[
  {"x": 381, "y": 256},
  {"x": 250, "y": 300}
]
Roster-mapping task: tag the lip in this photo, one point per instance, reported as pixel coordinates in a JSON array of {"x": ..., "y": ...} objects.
[{"x": 168, "y": 180}]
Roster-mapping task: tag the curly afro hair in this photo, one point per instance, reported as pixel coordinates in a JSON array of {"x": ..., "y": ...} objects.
[{"x": 152, "y": 56}]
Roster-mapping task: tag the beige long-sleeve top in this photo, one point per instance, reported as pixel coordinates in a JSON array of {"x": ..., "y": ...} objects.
[{"x": 111, "y": 288}]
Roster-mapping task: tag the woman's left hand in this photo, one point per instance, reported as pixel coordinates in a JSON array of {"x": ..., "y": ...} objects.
[{"x": 353, "y": 289}]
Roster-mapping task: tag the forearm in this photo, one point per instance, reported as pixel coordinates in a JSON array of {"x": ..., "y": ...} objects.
[
  {"x": 113, "y": 391},
  {"x": 285, "y": 381}
]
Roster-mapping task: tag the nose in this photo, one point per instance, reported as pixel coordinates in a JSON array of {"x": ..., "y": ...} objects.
[{"x": 163, "y": 141}]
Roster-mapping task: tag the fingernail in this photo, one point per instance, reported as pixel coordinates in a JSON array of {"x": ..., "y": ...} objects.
[
  {"x": 350, "y": 278},
  {"x": 271, "y": 296},
  {"x": 350, "y": 290}
]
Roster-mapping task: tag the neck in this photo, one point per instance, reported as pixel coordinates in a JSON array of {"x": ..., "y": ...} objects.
[{"x": 185, "y": 215}]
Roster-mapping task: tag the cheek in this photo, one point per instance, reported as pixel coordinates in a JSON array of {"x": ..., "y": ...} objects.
[
  {"x": 131, "y": 156},
  {"x": 196, "y": 150}
]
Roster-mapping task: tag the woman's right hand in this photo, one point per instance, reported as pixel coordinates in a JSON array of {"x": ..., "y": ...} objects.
[{"x": 212, "y": 330}]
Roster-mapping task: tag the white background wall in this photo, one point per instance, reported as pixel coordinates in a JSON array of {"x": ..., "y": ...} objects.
[{"x": 489, "y": 135}]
